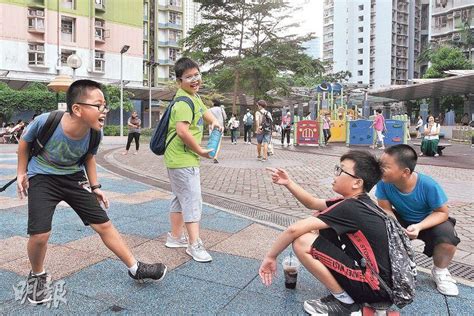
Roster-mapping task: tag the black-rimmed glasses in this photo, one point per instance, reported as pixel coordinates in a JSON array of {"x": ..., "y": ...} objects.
[
  {"x": 101, "y": 107},
  {"x": 338, "y": 170}
]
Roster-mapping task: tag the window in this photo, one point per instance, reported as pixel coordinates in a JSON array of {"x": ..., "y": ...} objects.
[
  {"x": 35, "y": 54},
  {"x": 361, "y": 29},
  {"x": 99, "y": 61},
  {"x": 69, "y": 4},
  {"x": 68, "y": 29},
  {"x": 35, "y": 20},
  {"x": 175, "y": 18},
  {"x": 360, "y": 50},
  {"x": 361, "y": 40},
  {"x": 145, "y": 11},
  {"x": 361, "y": 7},
  {"x": 99, "y": 30},
  {"x": 360, "y": 82},
  {"x": 145, "y": 50},
  {"x": 173, "y": 54},
  {"x": 145, "y": 31},
  {"x": 361, "y": 18},
  {"x": 176, "y": 3},
  {"x": 175, "y": 36},
  {"x": 65, "y": 53},
  {"x": 360, "y": 73},
  {"x": 360, "y": 62}
]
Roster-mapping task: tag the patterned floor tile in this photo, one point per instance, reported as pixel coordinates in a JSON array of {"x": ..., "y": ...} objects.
[{"x": 12, "y": 248}]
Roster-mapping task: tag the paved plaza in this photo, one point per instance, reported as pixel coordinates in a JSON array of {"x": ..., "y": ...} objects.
[{"x": 97, "y": 283}]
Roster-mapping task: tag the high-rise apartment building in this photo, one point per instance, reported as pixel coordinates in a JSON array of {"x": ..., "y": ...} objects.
[
  {"x": 449, "y": 18},
  {"x": 378, "y": 41},
  {"x": 37, "y": 36},
  {"x": 313, "y": 48},
  {"x": 165, "y": 23}
]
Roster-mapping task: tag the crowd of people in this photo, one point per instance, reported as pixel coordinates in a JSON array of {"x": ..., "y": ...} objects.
[{"x": 321, "y": 242}]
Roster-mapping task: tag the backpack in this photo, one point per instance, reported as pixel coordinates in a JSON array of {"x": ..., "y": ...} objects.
[
  {"x": 45, "y": 133},
  {"x": 266, "y": 123},
  {"x": 158, "y": 142},
  {"x": 249, "y": 119},
  {"x": 402, "y": 260}
]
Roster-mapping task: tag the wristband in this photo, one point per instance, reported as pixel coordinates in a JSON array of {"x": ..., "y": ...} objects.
[{"x": 97, "y": 186}]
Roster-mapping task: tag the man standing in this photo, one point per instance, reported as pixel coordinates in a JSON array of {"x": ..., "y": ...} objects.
[
  {"x": 263, "y": 129},
  {"x": 248, "y": 123}
]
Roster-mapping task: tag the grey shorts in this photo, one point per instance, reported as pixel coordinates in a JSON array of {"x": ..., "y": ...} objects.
[
  {"x": 186, "y": 188},
  {"x": 263, "y": 138}
]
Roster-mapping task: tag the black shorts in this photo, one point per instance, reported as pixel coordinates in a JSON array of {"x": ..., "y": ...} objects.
[
  {"x": 46, "y": 191},
  {"x": 439, "y": 234},
  {"x": 346, "y": 271}
]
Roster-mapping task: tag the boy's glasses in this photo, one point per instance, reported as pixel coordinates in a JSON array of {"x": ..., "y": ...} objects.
[
  {"x": 338, "y": 170},
  {"x": 103, "y": 108},
  {"x": 192, "y": 78}
]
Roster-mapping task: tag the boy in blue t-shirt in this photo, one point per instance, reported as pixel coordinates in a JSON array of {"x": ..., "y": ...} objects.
[
  {"x": 419, "y": 203},
  {"x": 56, "y": 175}
]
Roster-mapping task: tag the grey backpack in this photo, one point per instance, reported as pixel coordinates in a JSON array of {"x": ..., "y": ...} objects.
[{"x": 402, "y": 260}]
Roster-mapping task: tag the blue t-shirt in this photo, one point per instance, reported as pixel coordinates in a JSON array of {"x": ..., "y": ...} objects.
[
  {"x": 60, "y": 155},
  {"x": 415, "y": 206}
]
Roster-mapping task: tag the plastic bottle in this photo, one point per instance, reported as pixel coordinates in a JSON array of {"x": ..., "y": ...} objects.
[{"x": 214, "y": 141}]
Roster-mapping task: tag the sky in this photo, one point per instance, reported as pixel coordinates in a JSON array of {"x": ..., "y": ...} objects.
[{"x": 310, "y": 17}]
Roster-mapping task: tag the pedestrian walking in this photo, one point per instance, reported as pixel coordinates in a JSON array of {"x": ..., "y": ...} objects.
[
  {"x": 134, "y": 124},
  {"x": 233, "y": 125},
  {"x": 419, "y": 125},
  {"x": 286, "y": 129},
  {"x": 219, "y": 113},
  {"x": 379, "y": 126},
  {"x": 182, "y": 161},
  {"x": 263, "y": 129},
  {"x": 326, "y": 128},
  {"x": 248, "y": 123},
  {"x": 58, "y": 173}
]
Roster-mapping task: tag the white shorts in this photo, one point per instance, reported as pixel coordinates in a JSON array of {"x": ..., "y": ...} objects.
[
  {"x": 186, "y": 188},
  {"x": 380, "y": 136}
]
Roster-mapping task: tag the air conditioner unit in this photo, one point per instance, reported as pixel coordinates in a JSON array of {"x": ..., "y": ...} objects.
[{"x": 39, "y": 13}]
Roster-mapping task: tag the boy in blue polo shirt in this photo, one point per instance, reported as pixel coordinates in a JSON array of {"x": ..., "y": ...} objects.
[{"x": 420, "y": 205}]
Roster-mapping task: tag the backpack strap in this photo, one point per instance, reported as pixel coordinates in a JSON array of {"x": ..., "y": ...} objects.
[
  {"x": 46, "y": 132},
  {"x": 188, "y": 101},
  {"x": 94, "y": 142}
]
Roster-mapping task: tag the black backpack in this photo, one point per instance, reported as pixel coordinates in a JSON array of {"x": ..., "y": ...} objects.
[
  {"x": 402, "y": 260},
  {"x": 158, "y": 142},
  {"x": 45, "y": 133},
  {"x": 266, "y": 122}
]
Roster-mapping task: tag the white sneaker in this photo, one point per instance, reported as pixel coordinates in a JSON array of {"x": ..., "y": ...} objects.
[
  {"x": 436, "y": 155},
  {"x": 198, "y": 252},
  {"x": 172, "y": 242},
  {"x": 445, "y": 283}
]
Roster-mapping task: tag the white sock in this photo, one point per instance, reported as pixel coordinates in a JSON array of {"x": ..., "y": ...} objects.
[
  {"x": 440, "y": 270},
  {"x": 133, "y": 269},
  {"x": 38, "y": 274},
  {"x": 343, "y": 297}
]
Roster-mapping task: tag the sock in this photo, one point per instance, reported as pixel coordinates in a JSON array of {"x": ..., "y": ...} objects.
[
  {"x": 133, "y": 269},
  {"x": 343, "y": 297},
  {"x": 38, "y": 274},
  {"x": 440, "y": 270}
]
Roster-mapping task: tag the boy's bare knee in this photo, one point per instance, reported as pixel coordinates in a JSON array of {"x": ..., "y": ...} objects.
[
  {"x": 101, "y": 228},
  {"x": 40, "y": 238}
]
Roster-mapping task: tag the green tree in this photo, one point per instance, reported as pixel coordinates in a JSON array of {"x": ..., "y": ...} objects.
[
  {"x": 247, "y": 45},
  {"x": 112, "y": 97},
  {"x": 446, "y": 58}
]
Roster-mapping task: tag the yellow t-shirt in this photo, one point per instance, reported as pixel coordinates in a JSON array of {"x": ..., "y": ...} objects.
[{"x": 177, "y": 154}]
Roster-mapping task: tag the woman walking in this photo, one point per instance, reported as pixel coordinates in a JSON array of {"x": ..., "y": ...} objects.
[{"x": 134, "y": 124}]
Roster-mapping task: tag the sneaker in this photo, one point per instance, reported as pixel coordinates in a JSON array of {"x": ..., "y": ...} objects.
[
  {"x": 172, "y": 242},
  {"x": 264, "y": 160},
  {"x": 421, "y": 154},
  {"x": 39, "y": 288},
  {"x": 330, "y": 305},
  {"x": 445, "y": 283},
  {"x": 135, "y": 153},
  {"x": 198, "y": 252},
  {"x": 155, "y": 271},
  {"x": 436, "y": 155},
  {"x": 216, "y": 161},
  {"x": 259, "y": 158}
]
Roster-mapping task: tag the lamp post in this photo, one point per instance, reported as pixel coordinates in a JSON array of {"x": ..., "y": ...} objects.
[
  {"x": 74, "y": 61},
  {"x": 122, "y": 51},
  {"x": 151, "y": 65}
]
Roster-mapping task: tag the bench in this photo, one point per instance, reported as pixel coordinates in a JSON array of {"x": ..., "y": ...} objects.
[{"x": 441, "y": 146}]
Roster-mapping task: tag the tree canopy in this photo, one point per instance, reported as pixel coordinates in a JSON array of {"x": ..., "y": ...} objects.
[
  {"x": 445, "y": 58},
  {"x": 249, "y": 47}
]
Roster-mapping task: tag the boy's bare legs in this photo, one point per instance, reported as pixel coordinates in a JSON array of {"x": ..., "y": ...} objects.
[
  {"x": 265, "y": 151},
  {"x": 177, "y": 224},
  {"x": 112, "y": 239},
  {"x": 36, "y": 247},
  {"x": 193, "y": 232},
  {"x": 315, "y": 267},
  {"x": 443, "y": 255},
  {"x": 259, "y": 150}
]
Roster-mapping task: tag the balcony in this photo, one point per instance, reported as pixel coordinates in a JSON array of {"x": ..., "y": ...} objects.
[
  {"x": 170, "y": 25},
  {"x": 169, "y": 7},
  {"x": 35, "y": 3},
  {"x": 170, "y": 43},
  {"x": 166, "y": 62},
  {"x": 99, "y": 5}
]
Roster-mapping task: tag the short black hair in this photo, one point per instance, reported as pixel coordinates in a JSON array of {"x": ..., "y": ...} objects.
[
  {"x": 78, "y": 89},
  {"x": 404, "y": 155},
  {"x": 366, "y": 167},
  {"x": 378, "y": 111},
  {"x": 183, "y": 64},
  {"x": 216, "y": 102}
]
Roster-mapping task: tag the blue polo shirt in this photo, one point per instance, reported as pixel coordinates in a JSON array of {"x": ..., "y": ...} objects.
[{"x": 415, "y": 206}]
